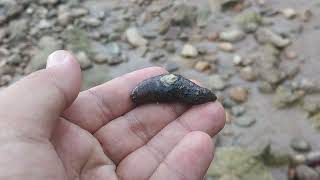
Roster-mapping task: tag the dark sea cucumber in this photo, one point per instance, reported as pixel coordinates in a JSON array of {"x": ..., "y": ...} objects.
[{"x": 171, "y": 88}]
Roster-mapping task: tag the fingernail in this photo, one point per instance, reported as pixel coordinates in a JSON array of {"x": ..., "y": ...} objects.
[{"x": 58, "y": 58}]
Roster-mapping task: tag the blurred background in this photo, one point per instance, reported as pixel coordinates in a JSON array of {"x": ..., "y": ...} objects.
[{"x": 261, "y": 57}]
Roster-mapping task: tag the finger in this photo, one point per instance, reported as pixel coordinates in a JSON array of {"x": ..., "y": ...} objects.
[
  {"x": 209, "y": 118},
  {"x": 189, "y": 160},
  {"x": 99, "y": 105},
  {"x": 129, "y": 132},
  {"x": 31, "y": 106},
  {"x": 81, "y": 153}
]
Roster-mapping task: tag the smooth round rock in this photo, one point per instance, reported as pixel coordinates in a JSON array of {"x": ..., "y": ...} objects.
[
  {"x": 238, "y": 110},
  {"x": 245, "y": 121},
  {"x": 300, "y": 145}
]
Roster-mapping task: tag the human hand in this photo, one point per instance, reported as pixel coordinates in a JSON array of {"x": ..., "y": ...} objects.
[{"x": 50, "y": 131}]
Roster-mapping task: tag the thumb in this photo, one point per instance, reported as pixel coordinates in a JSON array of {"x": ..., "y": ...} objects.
[{"x": 31, "y": 106}]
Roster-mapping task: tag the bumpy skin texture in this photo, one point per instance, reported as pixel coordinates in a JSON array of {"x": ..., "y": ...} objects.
[{"x": 181, "y": 90}]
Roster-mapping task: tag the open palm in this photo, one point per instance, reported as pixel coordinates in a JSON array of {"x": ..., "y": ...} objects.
[{"x": 50, "y": 131}]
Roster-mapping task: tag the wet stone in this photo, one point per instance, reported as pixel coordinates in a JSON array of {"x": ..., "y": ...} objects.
[
  {"x": 248, "y": 74},
  {"x": 101, "y": 58},
  {"x": 202, "y": 66},
  {"x": 249, "y": 21},
  {"x": 265, "y": 87},
  {"x": 291, "y": 70},
  {"x": 157, "y": 55},
  {"x": 237, "y": 60},
  {"x": 239, "y": 94},
  {"x": 238, "y": 110},
  {"x": 173, "y": 33},
  {"x": 232, "y": 35},
  {"x": 83, "y": 60},
  {"x": 244, "y": 121},
  {"x": 216, "y": 82},
  {"x": 307, "y": 85},
  {"x": 170, "y": 47},
  {"x": 213, "y": 36},
  {"x": 289, "y": 13},
  {"x": 228, "y": 102},
  {"x": 14, "y": 59},
  {"x": 285, "y": 97},
  {"x": 134, "y": 38},
  {"x": 171, "y": 66},
  {"x": 300, "y": 145},
  {"x": 264, "y": 35},
  {"x": 311, "y": 105},
  {"x": 115, "y": 60},
  {"x": 189, "y": 51},
  {"x": 5, "y": 79},
  {"x": 91, "y": 21},
  {"x": 184, "y": 15},
  {"x": 225, "y": 46},
  {"x": 290, "y": 54}
]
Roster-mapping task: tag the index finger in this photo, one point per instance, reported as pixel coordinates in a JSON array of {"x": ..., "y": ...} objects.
[{"x": 97, "y": 106}]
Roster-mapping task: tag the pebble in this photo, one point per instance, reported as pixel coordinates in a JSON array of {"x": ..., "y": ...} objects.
[
  {"x": 171, "y": 66},
  {"x": 265, "y": 87},
  {"x": 114, "y": 49},
  {"x": 248, "y": 74},
  {"x": 78, "y": 12},
  {"x": 216, "y": 82},
  {"x": 305, "y": 172},
  {"x": 237, "y": 60},
  {"x": 291, "y": 70},
  {"x": 245, "y": 121},
  {"x": 114, "y": 60},
  {"x": 101, "y": 58},
  {"x": 170, "y": 47},
  {"x": 290, "y": 54},
  {"x": 232, "y": 35},
  {"x": 189, "y": 51},
  {"x": 134, "y": 38},
  {"x": 213, "y": 36},
  {"x": 91, "y": 21},
  {"x": 265, "y": 35},
  {"x": 300, "y": 145},
  {"x": 228, "y": 102},
  {"x": 285, "y": 97},
  {"x": 272, "y": 75},
  {"x": 311, "y": 105},
  {"x": 202, "y": 66},
  {"x": 64, "y": 19},
  {"x": 306, "y": 15},
  {"x": 14, "y": 59},
  {"x": 238, "y": 110},
  {"x": 5, "y": 79},
  {"x": 184, "y": 15},
  {"x": 239, "y": 94},
  {"x": 289, "y": 13},
  {"x": 157, "y": 55},
  {"x": 83, "y": 60},
  {"x": 249, "y": 21},
  {"x": 226, "y": 46},
  {"x": 212, "y": 58},
  {"x": 307, "y": 85}
]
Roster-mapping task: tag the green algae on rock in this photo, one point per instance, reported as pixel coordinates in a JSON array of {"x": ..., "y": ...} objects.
[{"x": 171, "y": 88}]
